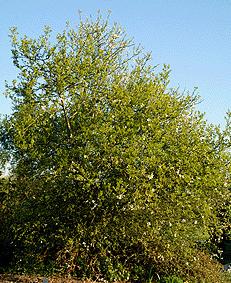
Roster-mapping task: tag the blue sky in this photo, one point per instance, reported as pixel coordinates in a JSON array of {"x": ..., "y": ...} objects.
[{"x": 194, "y": 37}]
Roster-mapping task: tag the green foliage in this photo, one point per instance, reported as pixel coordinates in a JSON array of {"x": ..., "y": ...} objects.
[
  {"x": 171, "y": 279},
  {"x": 115, "y": 175}
]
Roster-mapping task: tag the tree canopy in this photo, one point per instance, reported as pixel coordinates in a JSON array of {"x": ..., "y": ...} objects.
[{"x": 114, "y": 174}]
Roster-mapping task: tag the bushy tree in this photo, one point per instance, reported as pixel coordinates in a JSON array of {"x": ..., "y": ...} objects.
[{"x": 115, "y": 175}]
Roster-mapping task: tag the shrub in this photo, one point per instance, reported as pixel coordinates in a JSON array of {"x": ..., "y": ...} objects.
[{"x": 116, "y": 175}]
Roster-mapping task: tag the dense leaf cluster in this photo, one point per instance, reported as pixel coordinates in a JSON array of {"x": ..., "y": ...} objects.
[{"x": 113, "y": 174}]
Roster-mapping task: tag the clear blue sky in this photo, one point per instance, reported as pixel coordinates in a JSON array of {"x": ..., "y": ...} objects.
[{"x": 193, "y": 36}]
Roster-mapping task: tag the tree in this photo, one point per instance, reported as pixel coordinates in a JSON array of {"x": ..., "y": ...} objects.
[{"x": 116, "y": 174}]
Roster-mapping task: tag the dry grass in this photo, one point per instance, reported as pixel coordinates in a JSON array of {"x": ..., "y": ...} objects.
[{"x": 10, "y": 278}]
